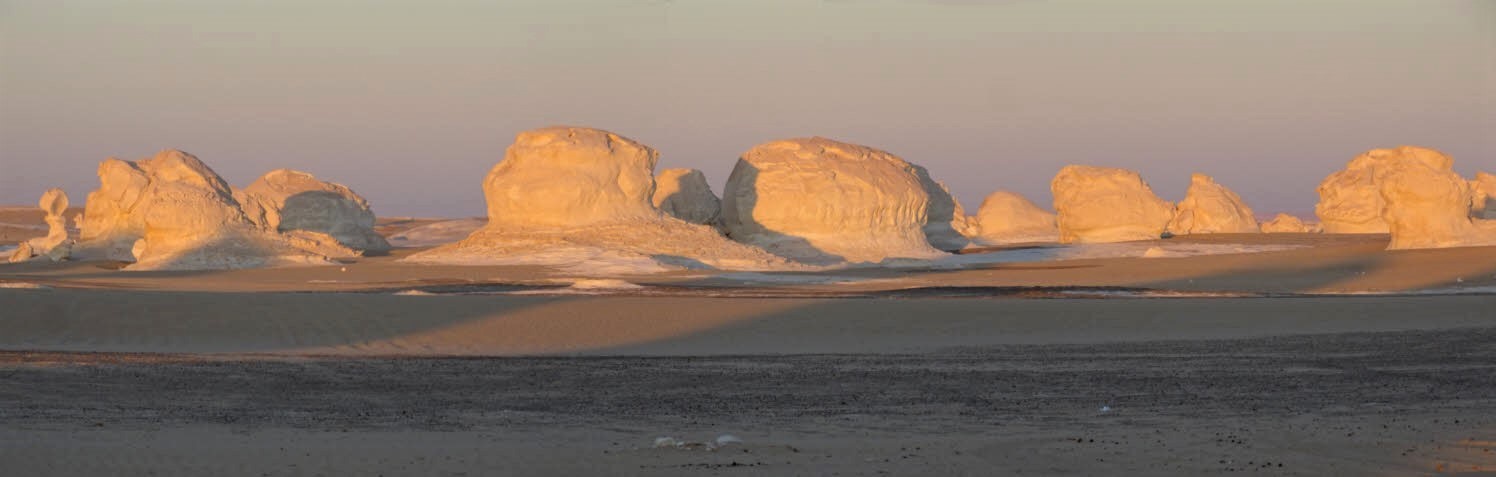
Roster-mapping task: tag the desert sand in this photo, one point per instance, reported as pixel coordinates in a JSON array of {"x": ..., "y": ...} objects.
[{"x": 1283, "y": 354}]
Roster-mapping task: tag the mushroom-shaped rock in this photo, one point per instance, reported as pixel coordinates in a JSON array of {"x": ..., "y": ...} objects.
[
  {"x": 1104, "y": 204},
  {"x": 1426, "y": 205},
  {"x": 285, "y": 200},
  {"x": 580, "y": 198},
  {"x": 1210, "y": 208},
  {"x": 175, "y": 213},
  {"x": 1350, "y": 200},
  {"x": 1287, "y": 224},
  {"x": 946, "y": 226},
  {"x": 1007, "y": 217},
  {"x": 684, "y": 194},
  {"x": 1483, "y": 196},
  {"x": 819, "y": 200},
  {"x": 55, "y": 246}
]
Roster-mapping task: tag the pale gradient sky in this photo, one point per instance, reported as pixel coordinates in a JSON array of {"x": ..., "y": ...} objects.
[{"x": 411, "y": 102}]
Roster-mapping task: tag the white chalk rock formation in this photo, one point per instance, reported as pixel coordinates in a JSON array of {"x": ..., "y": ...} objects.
[
  {"x": 822, "y": 201},
  {"x": 1350, "y": 200},
  {"x": 55, "y": 246},
  {"x": 1288, "y": 224},
  {"x": 1103, "y": 204},
  {"x": 1426, "y": 205},
  {"x": 284, "y": 200},
  {"x": 580, "y": 198},
  {"x": 946, "y": 226},
  {"x": 111, "y": 222},
  {"x": 1007, "y": 217},
  {"x": 1483, "y": 196},
  {"x": 1211, "y": 208},
  {"x": 684, "y": 194},
  {"x": 175, "y": 213}
]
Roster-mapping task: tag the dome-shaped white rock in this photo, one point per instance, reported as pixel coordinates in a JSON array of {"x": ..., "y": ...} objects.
[
  {"x": 684, "y": 194},
  {"x": 1350, "y": 200},
  {"x": 284, "y": 200},
  {"x": 1007, "y": 217},
  {"x": 1210, "y": 208},
  {"x": 568, "y": 177},
  {"x": 1426, "y": 205},
  {"x": 1103, "y": 204},
  {"x": 820, "y": 200},
  {"x": 581, "y": 198},
  {"x": 1284, "y": 223}
]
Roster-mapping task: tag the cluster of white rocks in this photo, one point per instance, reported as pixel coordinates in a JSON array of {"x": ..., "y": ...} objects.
[
  {"x": 173, "y": 212},
  {"x": 575, "y": 196}
]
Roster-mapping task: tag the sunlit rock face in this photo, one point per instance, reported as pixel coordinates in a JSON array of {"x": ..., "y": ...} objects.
[
  {"x": 1007, "y": 217},
  {"x": 1426, "y": 205},
  {"x": 685, "y": 194},
  {"x": 819, "y": 200},
  {"x": 286, "y": 200},
  {"x": 1350, "y": 199},
  {"x": 1210, "y": 208},
  {"x": 1103, "y": 204},
  {"x": 569, "y": 177},
  {"x": 55, "y": 246},
  {"x": 1483, "y": 196},
  {"x": 1288, "y": 224},
  {"x": 111, "y": 221},
  {"x": 172, "y": 212},
  {"x": 572, "y": 196}
]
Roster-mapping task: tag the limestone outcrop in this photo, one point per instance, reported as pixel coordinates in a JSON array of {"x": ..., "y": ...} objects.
[
  {"x": 56, "y": 245},
  {"x": 1483, "y": 196},
  {"x": 173, "y": 212},
  {"x": 581, "y": 199},
  {"x": 1284, "y": 223},
  {"x": 1209, "y": 208},
  {"x": 285, "y": 200},
  {"x": 1007, "y": 217},
  {"x": 1103, "y": 204},
  {"x": 823, "y": 201},
  {"x": 946, "y": 226},
  {"x": 1426, "y": 205},
  {"x": 684, "y": 194},
  {"x": 1350, "y": 200}
]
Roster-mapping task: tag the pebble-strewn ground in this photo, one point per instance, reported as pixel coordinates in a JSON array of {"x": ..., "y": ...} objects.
[{"x": 1395, "y": 403}]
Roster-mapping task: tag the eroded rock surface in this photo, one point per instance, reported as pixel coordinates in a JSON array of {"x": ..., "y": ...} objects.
[
  {"x": 819, "y": 200},
  {"x": 1209, "y": 207},
  {"x": 1104, "y": 204}
]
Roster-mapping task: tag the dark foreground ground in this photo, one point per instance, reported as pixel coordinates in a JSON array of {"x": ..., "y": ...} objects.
[{"x": 1390, "y": 403}]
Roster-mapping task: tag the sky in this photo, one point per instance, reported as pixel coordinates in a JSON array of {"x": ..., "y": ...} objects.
[{"x": 411, "y": 103}]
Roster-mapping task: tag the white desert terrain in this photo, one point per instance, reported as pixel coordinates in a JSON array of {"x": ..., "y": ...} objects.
[{"x": 610, "y": 326}]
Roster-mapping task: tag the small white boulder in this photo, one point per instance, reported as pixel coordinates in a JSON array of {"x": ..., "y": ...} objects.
[
  {"x": 1288, "y": 224},
  {"x": 1007, "y": 217}
]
